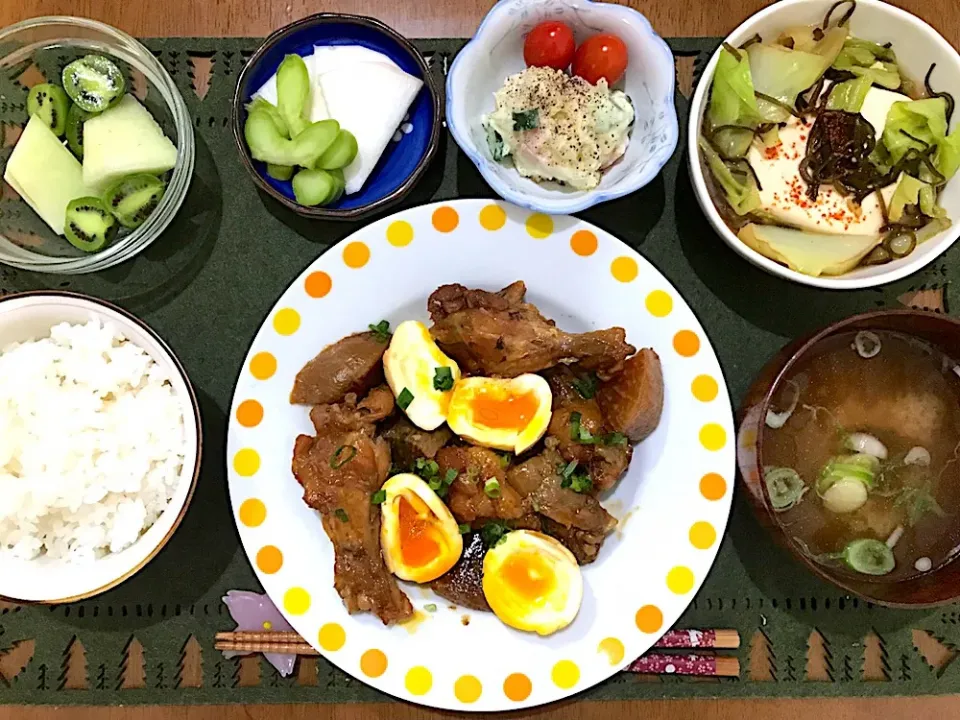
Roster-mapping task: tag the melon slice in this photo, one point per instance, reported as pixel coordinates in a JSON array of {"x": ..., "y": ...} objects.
[
  {"x": 124, "y": 140},
  {"x": 45, "y": 174},
  {"x": 809, "y": 253}
]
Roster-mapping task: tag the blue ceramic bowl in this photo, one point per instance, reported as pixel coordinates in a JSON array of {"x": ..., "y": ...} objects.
[{"x": 402, "y": 163}]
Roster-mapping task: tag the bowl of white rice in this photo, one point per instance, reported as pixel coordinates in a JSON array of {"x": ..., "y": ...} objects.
[{"x": 99, "y": 446}]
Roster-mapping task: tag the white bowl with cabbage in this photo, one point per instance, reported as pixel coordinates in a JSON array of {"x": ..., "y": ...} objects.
[{"x": 823, "y": 142}]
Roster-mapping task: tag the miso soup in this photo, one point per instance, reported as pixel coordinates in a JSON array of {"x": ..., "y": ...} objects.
[{"x": 861, "y": 454}]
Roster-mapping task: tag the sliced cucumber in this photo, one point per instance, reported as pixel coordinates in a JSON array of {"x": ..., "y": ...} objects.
[
  {"x": 314, "y": 187},
  {"x": 50, "y": 103},
  {"x": 340, "y": 153},
  {"x": 279, "y": 172},
  {"x": 94, "y": 82},
  {"x": 293, "y": 92}
]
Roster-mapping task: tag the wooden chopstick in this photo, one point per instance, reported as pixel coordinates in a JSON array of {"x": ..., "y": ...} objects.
[{"x": 290, "y": 643}]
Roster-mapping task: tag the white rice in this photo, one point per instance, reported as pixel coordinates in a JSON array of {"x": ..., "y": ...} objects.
[{"x": 92, "y": 444}]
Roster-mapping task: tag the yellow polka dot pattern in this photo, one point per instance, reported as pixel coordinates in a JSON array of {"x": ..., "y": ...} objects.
[
  {"x": 680, "y": 580},
  {"x": 246, "y": 462},
  {"x": 252, "y": 512},
  {"x": 702, "y": 535},
  {"x": 704, "y": 388},
  {"x": 565, "y": 674},
  {"x": 713, "y": 437},
  {"x": 613, "y": 649},
  {"x": 624, "y": 269},
  {"x": 539, "y": 226},
  {"x": 296, "y": 601},
  {"x": 493, "y": 217},
  {"x": 373, "y": 663},
  {"x": 400, "y": 233},
  {"x": 659, "y": 304},
  {"x": 418, "y": 680},
  {"x": 286, "y": 321},
  {"x": 331, "y": 637},
  {"x": 467, "y": 689}
]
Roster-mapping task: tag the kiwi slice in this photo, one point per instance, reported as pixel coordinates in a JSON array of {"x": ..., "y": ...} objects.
[
  {"x": 279, "y": 172},
  {"x": 89, "y": 225},
  {"x": 341, "y": 152},
  {"x": 76, "y": 117},
  {"x": 132, "y": 199},
  {"x": 314, "y": 187},
  {"x": 94, "y": 82},
  {"x": 50, "y": 104}
]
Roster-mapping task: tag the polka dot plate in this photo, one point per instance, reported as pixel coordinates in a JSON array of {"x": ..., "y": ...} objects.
[{"x": 672, "y": 505}]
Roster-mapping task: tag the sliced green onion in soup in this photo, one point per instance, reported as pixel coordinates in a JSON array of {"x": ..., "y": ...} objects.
[
  {"x": 785, "y": 488},
  {"x": 869, "y": 556},
  {"x": 860, "y": 467},
  {"x": 845, "y": 496},
  {"x": 776, "y": 420},
  {"x": 867, "y": 344},
  {"x": 865, "y": 443}
]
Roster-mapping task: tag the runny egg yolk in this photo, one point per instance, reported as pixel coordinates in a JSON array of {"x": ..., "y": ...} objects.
[
  {"x": 500, "y": 411},
  {"x": 529, "y": 576},
  {"x": 417, "y": 543},
  {"x": 419, "y": 537}
]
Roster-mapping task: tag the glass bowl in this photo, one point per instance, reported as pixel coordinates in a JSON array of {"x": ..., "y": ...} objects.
[{"x": 33, "y": 50}]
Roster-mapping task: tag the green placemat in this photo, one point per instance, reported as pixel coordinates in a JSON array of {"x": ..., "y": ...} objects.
[{"x": 206, "y": 287}]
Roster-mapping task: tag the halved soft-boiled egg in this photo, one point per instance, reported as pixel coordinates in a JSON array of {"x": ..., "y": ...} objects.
[
  {"x": 503, "y": 414},
  {"x": 421, "y": 376},
  {"x": 419, "y": 538},
  {"x": 532, "y": 582}
]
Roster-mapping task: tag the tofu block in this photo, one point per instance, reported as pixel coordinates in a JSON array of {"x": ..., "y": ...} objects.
[
  {"x": 45, "y": 174},
  {"x": 122, "y": 141}
]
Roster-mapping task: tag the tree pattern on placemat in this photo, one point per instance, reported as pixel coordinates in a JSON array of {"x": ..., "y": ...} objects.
[
  {"x": 73, "y": 670},
  {"x": 819, "y": 660},
  {"x": 307, "y": 672},
  {"x": 876, "y": 662},
  {"x": 190, "y": 669},
  {"x": 15, "y": 659},
  {"x": 762, "y": 667},
  {"x": 935, "y": 652},
  {"x": 248, "y": 672},
  {"x": 133, "y": 670}
]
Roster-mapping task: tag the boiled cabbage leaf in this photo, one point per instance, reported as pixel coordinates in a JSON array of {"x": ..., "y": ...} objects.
[
  {"x": 732, "y": 101},
  {"x": 741, "y": 192}
]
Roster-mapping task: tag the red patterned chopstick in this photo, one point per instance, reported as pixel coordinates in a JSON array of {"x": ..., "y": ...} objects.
[
  {"x": 719, "y": 639},
  {"x": 704, "y": 665}
]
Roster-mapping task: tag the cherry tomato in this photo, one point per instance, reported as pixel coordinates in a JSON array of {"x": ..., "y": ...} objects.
[
  {"x": 549, "y": 44},
  {"x": 601, "y": 56}
]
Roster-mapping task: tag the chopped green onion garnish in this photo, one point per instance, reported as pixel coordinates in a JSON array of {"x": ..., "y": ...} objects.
[
  {"x": 568, "y": 470},
  {"x": 492, "y": 488},
  {"x": 342, "y": 455},
  {"x": 449, "y": 476},
  {"x": 443, "y": 379},
  {"x": 578, "y": 432},
  {"x": 379, "y": 497},
  {"x": 586, "y": 385},
  {"x": 404, "y": 399},
  {"x": 615, "y": 438},
  {"x": 504, "y": 459},
  {"x": 341, "y": 515},
  {"x": 381, "y": 330},
  {"x": 581, "y": 483},
  {"x": 426, "y": 468},
  {"x": 430, "y": 607},
  {"x": 464, "y": 528},
  {"x": 493, "y": 533}
]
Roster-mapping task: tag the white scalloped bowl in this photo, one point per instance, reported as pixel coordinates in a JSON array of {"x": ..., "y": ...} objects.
[
  {"x": 496, "y": 51},
  {"x": 917, "y": 45}
]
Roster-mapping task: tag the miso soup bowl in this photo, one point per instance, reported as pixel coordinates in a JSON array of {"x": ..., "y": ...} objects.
[
  {"x": 917, "y": 46},
  {"x": 938, "y": 587}
]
